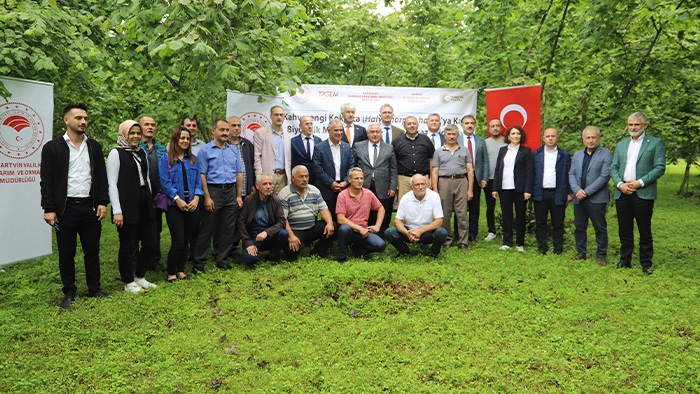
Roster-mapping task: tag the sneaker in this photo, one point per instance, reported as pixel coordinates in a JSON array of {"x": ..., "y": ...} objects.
[
  {"x": 505, "y": 247},
  {"x": 490, "y": 237},
  {"x": 520, "y": 248},
  {"x": 132, "y": 287},
  {"x": 143, "y": 283}
]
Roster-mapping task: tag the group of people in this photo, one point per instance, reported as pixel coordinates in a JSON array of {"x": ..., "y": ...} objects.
[{"x": 279, "y": 193}]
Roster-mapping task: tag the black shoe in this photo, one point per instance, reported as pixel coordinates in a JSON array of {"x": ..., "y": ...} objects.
[
  {"x": 224, "y": 266},
  {"x": 197, "y": 268},
  {"x": 624, "y": 265},
  {"x": 579, "y": 256},
  {"x": 342, "y": 260},
  {"x": 98, "y": 294},
  {"x": 542, "y": 252},
  {"x": 67, "y": 302},
  {"x": 646, "y": 270},
  {"x": 557, "y": 252}
]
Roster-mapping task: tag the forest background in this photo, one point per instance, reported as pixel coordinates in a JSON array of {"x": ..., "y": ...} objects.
[{"x": 596, "y": 61}]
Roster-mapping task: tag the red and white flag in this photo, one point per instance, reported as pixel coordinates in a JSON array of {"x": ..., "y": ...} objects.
[{"x": 517, "y": 106}]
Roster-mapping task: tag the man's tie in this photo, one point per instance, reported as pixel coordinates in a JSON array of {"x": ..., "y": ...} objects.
[
  {"x": 469, "y": 146},
  {"x": 386, "y": 135},
  {"x": 347, "y": 134},
  {"x": 433, "y": 137},
  {"x": 374, "y": 159},
  {"x": 308, "y": 146}
]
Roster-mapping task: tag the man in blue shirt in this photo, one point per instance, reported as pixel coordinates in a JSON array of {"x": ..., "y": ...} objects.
[{"x": 222, "y": 183}]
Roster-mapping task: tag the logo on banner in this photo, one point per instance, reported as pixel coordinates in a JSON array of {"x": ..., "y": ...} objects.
[
  {"x": 21, "y": 130},
  {"x": 254, "y": 120},
  {"x": 450, "y": 98},
  {"x": 302, "y": 95}
]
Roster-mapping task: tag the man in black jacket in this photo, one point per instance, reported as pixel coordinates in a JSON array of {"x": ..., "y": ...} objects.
[{"x": 74, "y": 198}]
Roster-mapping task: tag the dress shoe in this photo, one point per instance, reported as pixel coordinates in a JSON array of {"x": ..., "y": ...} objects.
[
  {"x": 602, "y": 261},
  {"x": 464, "y": 248},
  {"x": 67, "y": 302},
  {"x": 624, "y": 265},
  {"x": 542, "y": 252},
  {"x": 197, "y": 268},
  {"x": 646, "y": 270},
  {"x": 342, "y": 260},
  {"x": 98, "y": 294},
  {"x": 579, "y": 256},
  {"x": 224, "y": 266},
  {"x": 557, "y": 252}
]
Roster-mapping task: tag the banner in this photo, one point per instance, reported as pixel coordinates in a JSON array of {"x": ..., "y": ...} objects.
[
  {"x": 322, "y": 103},
  {"x": 25, "y": 126},
  {"x": 517, "y": 106}
]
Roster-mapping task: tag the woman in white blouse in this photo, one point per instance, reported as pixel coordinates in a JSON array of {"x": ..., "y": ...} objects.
[{"x": 512, "y": 183}]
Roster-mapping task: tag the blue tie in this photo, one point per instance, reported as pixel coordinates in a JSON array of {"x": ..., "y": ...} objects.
[{"x": 386, "y": 136}]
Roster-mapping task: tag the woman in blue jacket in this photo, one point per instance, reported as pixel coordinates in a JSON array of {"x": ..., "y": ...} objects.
[{"x": 180, "y": 180}]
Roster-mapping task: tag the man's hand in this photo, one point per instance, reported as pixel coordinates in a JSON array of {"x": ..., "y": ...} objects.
[
  {"x": 391, "y": 193},
  {"x": 470, "y": 195},
  {"x": 208, "y": 204},
  {"x": 252, "y": 250},
  {"x": 239, "y": 201},
  {"x": 581, "y": 194},
  {"x": 294, "y": 243},
  {"x": 414, "y": 235},
  {"x": 336, "y": 187},
  {"x": 494, "y": 195},
  {"x": 261, "y": 237},
  {"x": 373, "y": 229},
  {"x": 364, "y": 232},
  {"x": 527, "y": 196},
  {"x": 118, "y": 220},
  {"x": 329, "y": 230},
  {"x": 483, "y": 184},
  {"x": 101, "y": 212},
  {"x": 50, "y": 218}
]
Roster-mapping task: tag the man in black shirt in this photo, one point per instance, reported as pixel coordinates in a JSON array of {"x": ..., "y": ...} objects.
[{"x": 414, "y": 154}]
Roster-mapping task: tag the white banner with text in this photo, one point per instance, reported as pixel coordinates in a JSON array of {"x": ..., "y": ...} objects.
[{"x": 25, "y": 126}]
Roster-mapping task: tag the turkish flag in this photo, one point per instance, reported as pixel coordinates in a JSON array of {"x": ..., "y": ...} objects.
[{"x": 517, "y": 106}]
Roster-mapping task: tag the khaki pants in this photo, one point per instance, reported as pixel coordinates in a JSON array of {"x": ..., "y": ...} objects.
[
  {"x": 453, "y": 195},
  {"x": 405, "y": 185},
  {"x": 279, "y": 181}
]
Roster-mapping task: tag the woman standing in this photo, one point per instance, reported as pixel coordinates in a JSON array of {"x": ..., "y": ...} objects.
[
  {"x": 132, "y": 205},
  {"x": 512, "y": 182},
  {"x": 180, "y": 180}
]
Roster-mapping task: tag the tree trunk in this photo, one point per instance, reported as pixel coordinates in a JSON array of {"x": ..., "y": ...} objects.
[{"x": 683, "y": 190}]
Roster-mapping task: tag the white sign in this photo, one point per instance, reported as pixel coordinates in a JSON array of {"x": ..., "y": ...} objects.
[
  {"x": 322, "y": 103},
  {"x": 26, "y": 124}
]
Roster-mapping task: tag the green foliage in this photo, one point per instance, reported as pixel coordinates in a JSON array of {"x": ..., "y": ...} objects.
[{"x": 487, "y": 321}]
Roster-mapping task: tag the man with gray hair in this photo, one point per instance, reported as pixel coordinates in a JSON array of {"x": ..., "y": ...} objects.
[
  {"x": 332, "y": 160},
  {"x": 639, "y": 161},
  {"x": 352, "y": 132},
  {"x": 588, "y": 176}
]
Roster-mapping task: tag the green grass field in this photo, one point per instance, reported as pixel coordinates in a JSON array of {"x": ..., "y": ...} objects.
[{"x": 486, "y": 321}]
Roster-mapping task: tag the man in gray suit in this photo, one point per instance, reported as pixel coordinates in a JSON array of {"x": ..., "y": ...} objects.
[
  {"x": 378, "y": 163},
  {"x": 480, "y": 160},
  {"x": 588, "y": 177}
]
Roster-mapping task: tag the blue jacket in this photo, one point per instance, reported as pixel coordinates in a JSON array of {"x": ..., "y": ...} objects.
[
  {"x": 562, "y": 169},
  {"x": 171, "y": 179}
]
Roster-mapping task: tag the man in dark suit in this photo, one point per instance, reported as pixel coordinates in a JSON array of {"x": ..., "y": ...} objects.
[
  {"x": 433, "y": 133},
  {"x": 378, "y": 163},
  {"x": 389, "y": 131},
  {"x": 638, "y": 163},
  {"x": 550, "y": 190},
  {"x": 480, "y": 160},
  {"x": 332, "y": 161},
  {"x": 245, "y": 151},
  {"x": 352, "y": 132},
  {"x": 588, "y": 177},
  {"x": 303, "y": 147}
]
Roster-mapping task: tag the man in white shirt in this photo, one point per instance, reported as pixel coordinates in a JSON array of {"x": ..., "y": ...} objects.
[{"x": 418, "y": 219}]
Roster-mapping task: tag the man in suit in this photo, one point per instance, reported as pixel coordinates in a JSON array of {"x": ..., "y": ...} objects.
[
  {"x": 74, "y": 196},
  {"x": 389, "y": 131},
  {"x": 638, "y": 163},
  {"x": 303, "y": 147},
  {"x": 273, "y": 150},
  {"x": 245, "y": 151},
  {"x": 550, "y": 190},
  {"x": 378, "y": 163},
  {"x": 332, "y": 160},
  {"x": 433, "y": 133},
  {"x": 352, "y": 132},
  {"x": 588, "y": 177},
  {"x": 480, "y": 160}
]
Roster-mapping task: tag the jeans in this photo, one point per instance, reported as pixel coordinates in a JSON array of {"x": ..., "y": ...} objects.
[
  {"x": 365, "y": 246},
  {"x": 436, "y": 237},
  {"x": 272, "y": 243}
]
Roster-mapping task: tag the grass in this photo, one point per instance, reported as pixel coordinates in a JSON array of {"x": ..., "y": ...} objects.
[{"x": 487, "y": 321}]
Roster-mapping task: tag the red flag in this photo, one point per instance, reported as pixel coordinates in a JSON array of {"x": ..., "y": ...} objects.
[{"x": 517, "y": 106}]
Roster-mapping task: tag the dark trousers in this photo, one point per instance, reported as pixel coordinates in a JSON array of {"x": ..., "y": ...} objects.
[
  {"x": 474, "y": 210},
  {"x": 314, "y": 233},
  {"x": 364, "y": 246},
  {"x": 631, "y": 208},
  {"x": 130, "y": 233},
  {"x": 557, "y": 213},
  {"x": 400, "y": 241},
  {"x": 596, "y": 212},
  {"x": 78, "y": 219},
  {"x": 182, "y": 226},
  {"x": 490, "y": 207},
  {"x": 219, "y": 224},
  {"x": 273, "y": 243},
  {"x": 510, "y": 198},
  {"x": 388, "y": 204},
  {"x": 154, "y": 260}
]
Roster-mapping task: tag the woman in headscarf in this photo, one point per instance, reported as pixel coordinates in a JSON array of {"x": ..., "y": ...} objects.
[
  {"x": 132, "y": 206},
  {"x": 181, "y": 182}
]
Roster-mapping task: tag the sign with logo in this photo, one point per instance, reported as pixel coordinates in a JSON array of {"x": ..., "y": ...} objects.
[
  {"x": 517, "y": 106},
  {"x": 25, "y": 126},
  {"x": 322, "y": 103}
]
